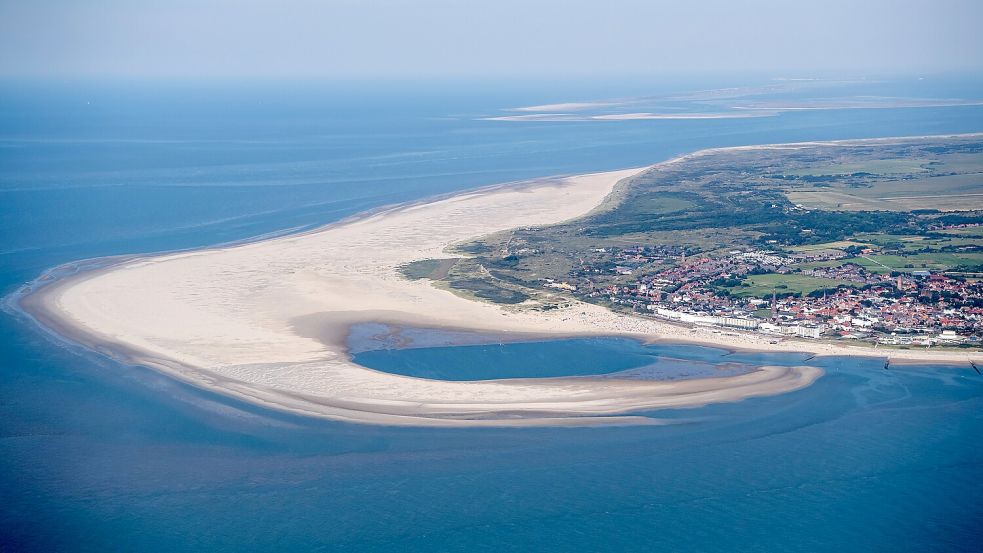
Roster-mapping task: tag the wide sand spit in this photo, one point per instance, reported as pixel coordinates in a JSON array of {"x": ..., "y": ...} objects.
[{"x": 267, "y": 321}]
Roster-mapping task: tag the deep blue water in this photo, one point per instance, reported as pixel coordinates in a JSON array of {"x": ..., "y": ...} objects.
[
  {"x": 95, "y": 456},
  {"x": 610, "y": 356}
]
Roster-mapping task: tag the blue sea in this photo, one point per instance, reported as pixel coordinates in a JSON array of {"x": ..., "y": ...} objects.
[{"x": 96, "y": 456}]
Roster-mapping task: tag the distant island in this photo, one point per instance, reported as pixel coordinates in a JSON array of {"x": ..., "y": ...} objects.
[{"x": 792, "y": 247}]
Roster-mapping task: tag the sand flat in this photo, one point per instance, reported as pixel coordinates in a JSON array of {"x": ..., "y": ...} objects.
[{"x": 266, "y": 321}]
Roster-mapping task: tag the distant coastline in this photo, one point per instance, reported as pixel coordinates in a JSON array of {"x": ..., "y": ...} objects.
[{"x": 266, "y": 321}]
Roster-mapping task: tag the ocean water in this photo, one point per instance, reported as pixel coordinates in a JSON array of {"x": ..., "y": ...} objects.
[{"x": 95, "y": 456}]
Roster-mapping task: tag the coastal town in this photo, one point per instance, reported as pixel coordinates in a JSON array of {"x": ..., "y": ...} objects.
[
  {"x": 812, "y": 243},
  {"x": 837, "y": 296}
]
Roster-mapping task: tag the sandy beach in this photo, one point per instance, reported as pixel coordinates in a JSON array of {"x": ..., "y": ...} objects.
[{"x": 267, "y": 321}]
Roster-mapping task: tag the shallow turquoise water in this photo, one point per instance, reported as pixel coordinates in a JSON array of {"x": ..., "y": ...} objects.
[{"x": 95, "y": 456}]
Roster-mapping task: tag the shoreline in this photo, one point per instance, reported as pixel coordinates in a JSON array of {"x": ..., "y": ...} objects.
[{"x": 213, "y": 318}]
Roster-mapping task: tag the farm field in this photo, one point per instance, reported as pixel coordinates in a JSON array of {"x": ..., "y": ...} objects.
[
  {"x": 931, "y": 261},
  {"x": 947, "y": 183},
  {"x": 945, "y": 193},
  {"x": 763, "y": 285}
]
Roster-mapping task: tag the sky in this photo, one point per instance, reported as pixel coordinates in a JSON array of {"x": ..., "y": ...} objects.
[{"x": 399, "y": 38}]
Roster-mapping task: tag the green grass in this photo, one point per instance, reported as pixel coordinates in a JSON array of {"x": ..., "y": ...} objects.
[
  {"x": 762, "y": 285},
  {"x": 933, "y": 261},
  {"x": 434, "y": 269},
  {"x": 838, "y": 245},
  {"x": 907, "y": 245},
  {"x": 470, "y": 279},
  {"x": 970, "y": 231},
  {"x": 910, "y": 243},
  {"x": 900, "y": 185},
  {"x": 881, "y": 239},
  {"x": 486, "y": 289},
  {"x": 874, "y": 167},
  {"x": 658, "y": 204}
]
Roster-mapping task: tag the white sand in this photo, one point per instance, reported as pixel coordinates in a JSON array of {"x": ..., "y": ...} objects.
[
  {"x": 266, "y": 321},
  {"x": 640, "y": 116},
  {"x": 568, "y": 106}
]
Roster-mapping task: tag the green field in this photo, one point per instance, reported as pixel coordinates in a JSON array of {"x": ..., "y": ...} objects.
[
  {"x": 944, "y": 192},
  {"x": 658, "y": 204},
  {"x": 911, "y": 243},
  {"x": 434, "y": 269},
  {"x": 825, "y": 246},
  {"x": 762, "y": 286},
  {"x": 969, "y": 231},
  {"x": 874, "y": 166},
  {"x": 487, "y": 289},
  {"x": 935, "y": 261},
  {"x": 932, "y": 261},
  {"x": 951, "y": 182}
]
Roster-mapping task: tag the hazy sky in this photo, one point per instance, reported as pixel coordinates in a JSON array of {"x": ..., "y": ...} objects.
[{"x": 306, "y": 38}]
